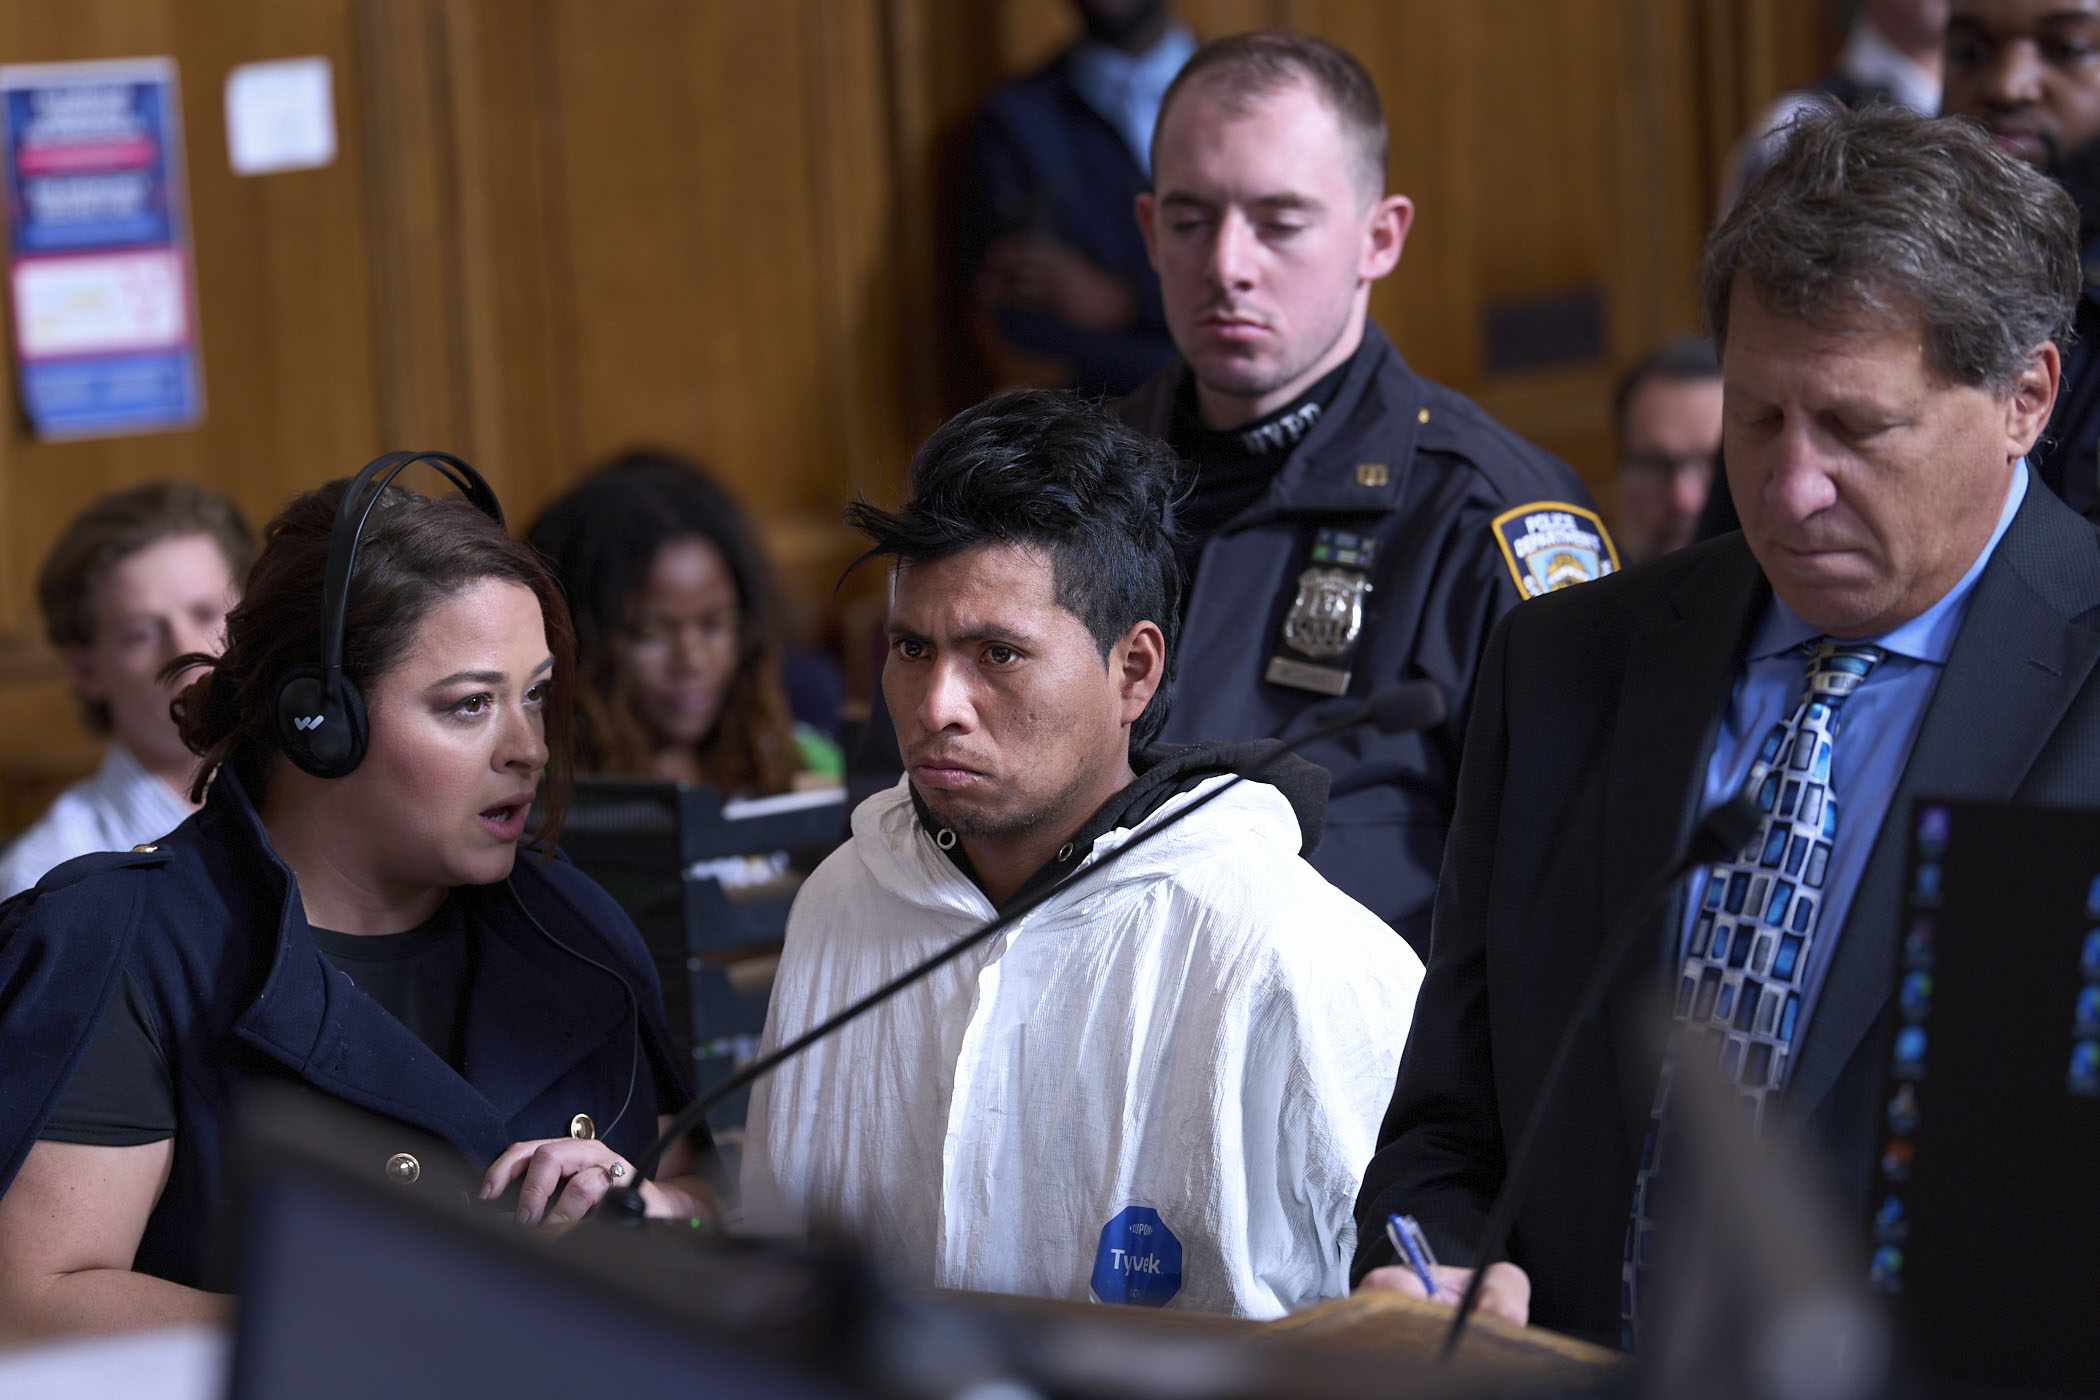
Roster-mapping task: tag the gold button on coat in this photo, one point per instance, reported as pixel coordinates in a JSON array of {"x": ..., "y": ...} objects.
[
  {"x": 582, "y": 1127},
  {"x": 403, "y": 1168}
]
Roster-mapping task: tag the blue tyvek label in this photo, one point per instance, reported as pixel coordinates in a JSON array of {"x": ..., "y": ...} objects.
[{"x": 1139, "y": 1260}]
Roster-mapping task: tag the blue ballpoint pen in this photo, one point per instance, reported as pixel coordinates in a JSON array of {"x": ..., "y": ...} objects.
[{"x": 1413, "y": 1246}]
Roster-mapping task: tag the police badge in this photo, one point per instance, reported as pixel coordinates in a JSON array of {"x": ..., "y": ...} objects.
[
  {"x": 1551, "y": 544},
  {"x": 1326, "y": 618}
]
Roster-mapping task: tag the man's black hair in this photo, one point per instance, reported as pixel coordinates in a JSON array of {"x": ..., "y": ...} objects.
[
  {"x": 1686, "y": 358},
  {"x": 1056, "y": 473}
]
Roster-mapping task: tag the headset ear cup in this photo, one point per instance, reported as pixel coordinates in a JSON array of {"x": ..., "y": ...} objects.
[{"x": 322, "y": 736}]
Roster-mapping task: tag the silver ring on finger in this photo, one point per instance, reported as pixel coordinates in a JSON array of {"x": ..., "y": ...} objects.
[{"x": 616, "y": 1170}]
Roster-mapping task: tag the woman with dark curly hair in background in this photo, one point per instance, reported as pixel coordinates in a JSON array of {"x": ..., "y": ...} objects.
[{"x": 677, "y": 644}]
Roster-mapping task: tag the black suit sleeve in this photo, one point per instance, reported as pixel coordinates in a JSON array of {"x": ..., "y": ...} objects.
[{"x": 1440, "y": 1154}]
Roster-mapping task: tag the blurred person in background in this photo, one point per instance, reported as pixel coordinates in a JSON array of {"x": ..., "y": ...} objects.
[
  {"x": 1062, "y": 291},
  {"x": 139, "y": 578},
  {"x": 1668, "y": 417},
  {"x": 2029, "y": 71},
  {"x": 678, "y": 649},
  {"x": 1891, "y": 54}
]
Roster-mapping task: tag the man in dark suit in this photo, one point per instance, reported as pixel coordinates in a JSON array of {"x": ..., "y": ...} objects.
[
  {"x": 1889, "y": 296},
  {"x": 1061, "y": 291}
]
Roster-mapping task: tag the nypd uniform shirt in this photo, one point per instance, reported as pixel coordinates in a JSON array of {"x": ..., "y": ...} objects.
[{"x": 1399, "y": 525}]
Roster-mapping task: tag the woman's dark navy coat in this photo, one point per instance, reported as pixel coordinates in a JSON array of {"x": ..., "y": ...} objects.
[{"x": 210, "y": 927}]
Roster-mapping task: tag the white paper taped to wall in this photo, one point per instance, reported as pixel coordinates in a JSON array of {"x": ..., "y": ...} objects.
[{"x": 280, "y": 116}]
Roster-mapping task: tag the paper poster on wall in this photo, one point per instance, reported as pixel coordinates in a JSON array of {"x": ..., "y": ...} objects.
[
  {"x": 99, "y": 250},
  {"x": 280, "y": 116}
]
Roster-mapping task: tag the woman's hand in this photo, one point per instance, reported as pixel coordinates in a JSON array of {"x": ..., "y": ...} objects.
[
  {"x": 563, "y": 1178},
  {"x": 560, "y": 1179}
]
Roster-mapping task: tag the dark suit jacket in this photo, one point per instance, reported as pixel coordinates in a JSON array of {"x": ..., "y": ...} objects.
[{"x": 1583, "y": 774}]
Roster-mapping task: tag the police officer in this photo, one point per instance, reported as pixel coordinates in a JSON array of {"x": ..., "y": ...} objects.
[{"x": 1349, "y": 525}]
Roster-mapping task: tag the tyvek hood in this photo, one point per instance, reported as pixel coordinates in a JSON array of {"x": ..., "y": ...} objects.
[{"x": 900, "y": 853}]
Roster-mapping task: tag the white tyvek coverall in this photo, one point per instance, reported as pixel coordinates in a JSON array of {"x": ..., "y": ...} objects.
[{"x": 1209, "y": 1029}]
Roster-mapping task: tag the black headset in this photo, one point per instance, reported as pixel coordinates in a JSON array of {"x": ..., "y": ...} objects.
[{"x": 319, "y": 716}]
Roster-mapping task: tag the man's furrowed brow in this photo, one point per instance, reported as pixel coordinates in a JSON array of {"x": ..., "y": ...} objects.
[{"x": 979, "y": 633}]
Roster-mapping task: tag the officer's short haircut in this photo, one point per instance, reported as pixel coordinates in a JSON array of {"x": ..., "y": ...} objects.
[
  {"x": 1241, "y": 69},
  {"x": 1052, "y": 472},
  {"x": 113, "y": 529},
  {"x": 1681, "y": 359},
  {"x": 1889, "y": 216}
]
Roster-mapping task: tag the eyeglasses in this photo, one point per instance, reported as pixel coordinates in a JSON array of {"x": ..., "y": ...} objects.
[{"x": 1658, "y": 466}]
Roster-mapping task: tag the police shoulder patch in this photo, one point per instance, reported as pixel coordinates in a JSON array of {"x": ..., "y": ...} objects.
[{"x": 1551, "y": 544}]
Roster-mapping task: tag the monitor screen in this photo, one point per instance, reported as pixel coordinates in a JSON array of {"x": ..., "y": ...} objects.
[
  {"x": 1986, "y": 1205},
  {"x": 354, "y": 1286}
]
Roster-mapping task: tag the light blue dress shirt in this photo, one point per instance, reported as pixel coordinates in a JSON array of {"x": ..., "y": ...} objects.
[
  {"x": 1126, "y": 88},
  {"x": 1879, "y": 726}
]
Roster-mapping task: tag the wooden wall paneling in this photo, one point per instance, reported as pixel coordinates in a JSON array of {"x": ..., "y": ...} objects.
[
  {"x": 519, "y": 412},
  {"x": 281, "y": 268},
  {"x": 1546, "y": 170},
  {"x": 1425, "y": 60},
  {"x": 943, "y": 58},
  {"x": 1029, "y": 34},
  {"x": 919, "y": 132},
  {"x": 692, "y": 239},
  {"x": 1213, "y": 19},
  {"x": 1032, "y": 32},
  {"x": 877, "y": 321},
  {"x": 866, "y": 325},
  {"x": 1667, "y": 176},
  {"x": 411, "y": 171},
  {"x": 1722, "y": 82},
  {"x": 283, "y": 285},
  {"x": 1757, "y": 51},
  {"x": 679, "y": 228},
  {"x": 480, "y": 214}
]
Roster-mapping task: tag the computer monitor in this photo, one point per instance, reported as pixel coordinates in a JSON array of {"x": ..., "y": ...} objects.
[
  {"x": 355, "y": 1285},
  {"x": 1986, "y": 1205},
  {"x": 671, "y": 854}
]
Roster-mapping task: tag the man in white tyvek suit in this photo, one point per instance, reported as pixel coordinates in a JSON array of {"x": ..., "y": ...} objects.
[{"x": 1159, "y": 1087}]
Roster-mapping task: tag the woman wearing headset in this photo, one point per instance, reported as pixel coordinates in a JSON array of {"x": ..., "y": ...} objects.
[{"x": 375, "y": 935}]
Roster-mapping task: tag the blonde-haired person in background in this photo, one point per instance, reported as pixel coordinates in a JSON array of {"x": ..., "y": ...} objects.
[{"x": 139, "y": 578}]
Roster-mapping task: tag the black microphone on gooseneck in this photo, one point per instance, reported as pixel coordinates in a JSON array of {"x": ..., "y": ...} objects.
[
  {"x": 1721, "y": 833},
  {"x": 1398, "y": 709}
]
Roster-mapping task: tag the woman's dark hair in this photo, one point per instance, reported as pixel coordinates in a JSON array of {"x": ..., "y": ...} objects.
[
  {"x": 601, "y": 540},
  {"x": 416, "y": 552},
  {"x": 1056, "y": 473}
]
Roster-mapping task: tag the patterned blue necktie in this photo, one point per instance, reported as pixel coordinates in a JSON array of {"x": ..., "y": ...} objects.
[{"x": 1738, "y": 998}]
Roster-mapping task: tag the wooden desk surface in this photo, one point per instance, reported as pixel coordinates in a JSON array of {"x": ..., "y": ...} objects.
[
  {"x": 1379, "y": 1322},
  {"x": 1373, "y": 1343}
]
